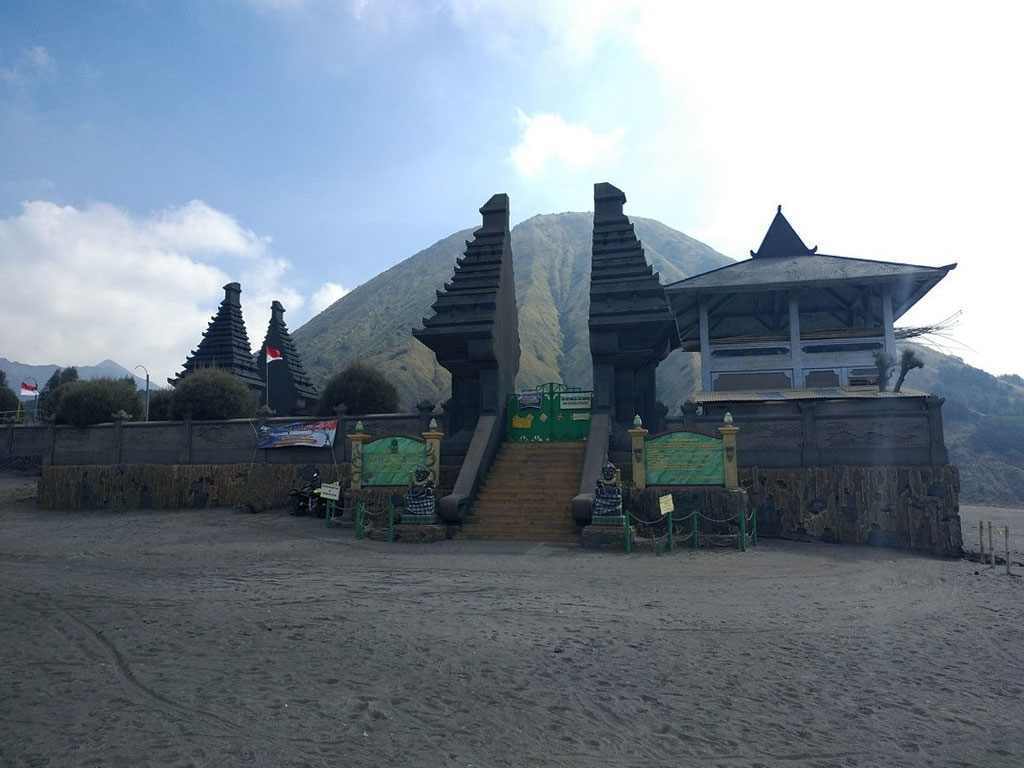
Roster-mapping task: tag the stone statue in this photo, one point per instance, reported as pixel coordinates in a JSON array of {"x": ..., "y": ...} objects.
[
  {"x": 420, "y": 498},
  {"x": 608, "y": 493}
]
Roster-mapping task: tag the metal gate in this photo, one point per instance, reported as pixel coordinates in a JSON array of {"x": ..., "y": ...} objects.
[{"x": 549, "y": 413}]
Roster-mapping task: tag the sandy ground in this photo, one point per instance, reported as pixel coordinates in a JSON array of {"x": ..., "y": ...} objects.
[{"x": 218, "y": 638}]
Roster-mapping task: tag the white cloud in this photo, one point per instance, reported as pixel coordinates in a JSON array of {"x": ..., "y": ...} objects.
[
  {"x": 81, "y": 285},
  {"x": 327, "y": 294},
  {"x": 549, "y": 138},
  {"x": 32, "y": 62}
]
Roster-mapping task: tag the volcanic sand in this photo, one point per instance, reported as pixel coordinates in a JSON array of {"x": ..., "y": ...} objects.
[{"x": 216, "y": 638}]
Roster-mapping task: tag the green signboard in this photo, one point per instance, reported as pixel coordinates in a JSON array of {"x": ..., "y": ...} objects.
[
  {"x": 551, "y": 412},
  {"x": 392, "y": 460},
  {"x": 685, "y": 458}
]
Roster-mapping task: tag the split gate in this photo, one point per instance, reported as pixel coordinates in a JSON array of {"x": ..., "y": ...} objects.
[{"x": 549, "y": 413}]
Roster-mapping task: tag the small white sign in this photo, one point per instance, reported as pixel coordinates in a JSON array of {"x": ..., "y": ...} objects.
[
  {"x": 330, "y": 491},
  {"x": 575, "y": 401},
  {"x": 666, "y": 504}
]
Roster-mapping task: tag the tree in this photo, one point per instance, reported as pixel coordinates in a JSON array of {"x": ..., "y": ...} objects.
[
  {"x": 83, "y": 403},
  {"x": 908, "y": 362},
  {"x": 50, "y": 397},
  {"x": 8, "y": 400},
  {"x": 360, "y": 389},
  {"x": 160, "y": 404},
  {"x": 212, "y": 394}
]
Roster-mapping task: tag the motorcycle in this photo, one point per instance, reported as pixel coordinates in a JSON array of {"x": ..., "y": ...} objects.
[{"x": 305, "y": 500}]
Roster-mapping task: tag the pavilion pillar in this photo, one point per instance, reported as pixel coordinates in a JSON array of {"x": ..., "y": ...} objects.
[
  {"x": 887, "y": 323},
  {"x": 795, "y": 351},
  {"x": 705, "y": 347}
]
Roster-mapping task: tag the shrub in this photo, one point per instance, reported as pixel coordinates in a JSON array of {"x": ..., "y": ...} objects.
[
  {"x": 96, "y": 401},
  {"x": 360, "y": 389},
  {"x": 49, "y": 398},
  {"x": 212, "y": 394},
  {"x": 8, "y": 400},
  {"x": 160, "y": 401}
]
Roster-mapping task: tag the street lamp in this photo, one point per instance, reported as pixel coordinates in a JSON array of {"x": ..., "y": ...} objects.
[{"x": 147, "y": 387}]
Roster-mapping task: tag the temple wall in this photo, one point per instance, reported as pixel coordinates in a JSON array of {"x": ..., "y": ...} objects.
[
  {"x": 909, "y": 507},
  {"x": 197, "y": 442},
  {"x": 195, "y": 486}
]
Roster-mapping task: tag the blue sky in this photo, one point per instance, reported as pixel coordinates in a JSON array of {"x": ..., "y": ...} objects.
[{"x": 303, "y": 146}]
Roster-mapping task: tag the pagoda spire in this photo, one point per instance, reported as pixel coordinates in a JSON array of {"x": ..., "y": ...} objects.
[
  {"x": 781, "y": 240},
  {"x": 631, "y": 327},
  {"x": 474, "y": 331},
  {"x": 225, "y": 344},
  {"x": 291, "y": 392}
]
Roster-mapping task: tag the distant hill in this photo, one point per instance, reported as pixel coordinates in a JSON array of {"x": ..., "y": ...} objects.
[
  {"x": 984, "y": 415},
  {"x": 19, "y": 372},
  {"x": 552, "y": 268}
]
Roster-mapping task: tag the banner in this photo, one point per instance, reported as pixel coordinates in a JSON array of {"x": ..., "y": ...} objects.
[
  {"x": 575, "y": 401},
  {"x": 529, "y": 400},
  {"x": 308, "y": 434}
]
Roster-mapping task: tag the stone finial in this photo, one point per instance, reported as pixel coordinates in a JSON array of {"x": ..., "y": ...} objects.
[
  {"x": 433, "y": 425},
  {"x": 727, "y": 419},
  {"x": 233, "y": 293},
  {"x": 637, "y": 421},
  {"x": 359, "y": 426}
]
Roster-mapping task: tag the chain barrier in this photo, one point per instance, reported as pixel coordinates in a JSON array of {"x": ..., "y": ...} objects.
[{"x": 745, "y": 536}]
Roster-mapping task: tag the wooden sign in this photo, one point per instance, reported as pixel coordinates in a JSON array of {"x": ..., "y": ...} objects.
[
  {"x": 330, "y": 491},
  {"x": 665, "y": 504},
  {"x": 685, "y": 458}
]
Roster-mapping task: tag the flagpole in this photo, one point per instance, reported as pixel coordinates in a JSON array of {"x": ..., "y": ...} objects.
[
  {"x": 266, "y": 371},
  {"x": 35, "y": 411}
]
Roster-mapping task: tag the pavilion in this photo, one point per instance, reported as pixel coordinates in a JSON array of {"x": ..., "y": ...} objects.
[{"x": 790, "y": 318}]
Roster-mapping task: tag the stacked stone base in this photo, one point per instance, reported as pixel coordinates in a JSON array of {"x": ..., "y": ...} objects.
[
  {"x": 609, "y": 537},
  {"x": 909, "y": 507}
]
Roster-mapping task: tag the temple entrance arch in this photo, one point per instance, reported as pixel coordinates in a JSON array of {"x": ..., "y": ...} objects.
[{"x": 549, "y": 413}]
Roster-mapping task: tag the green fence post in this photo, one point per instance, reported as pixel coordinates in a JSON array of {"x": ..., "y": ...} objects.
[
  {"x": 627, "y": 540},
  {"x": 694, "y": 529},
  {"x": 360, "y": 514},
  {"x": 753, "y": 526},
  {"x": 742, "y": 542},
  {"x": 669, "y": 531},
  {"x": 329, "y": 514},
  {"x": 391, "y": 521}
]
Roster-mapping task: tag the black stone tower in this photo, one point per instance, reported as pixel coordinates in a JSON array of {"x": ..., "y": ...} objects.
[
  {"x": 225, "y": 344},
  {"x": 291, "y": 392},
  {"x": 631, "y": 327},
  {"x": 475, "y": 328}
]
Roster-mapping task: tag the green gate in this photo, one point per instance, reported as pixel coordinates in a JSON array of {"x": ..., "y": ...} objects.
[{"x": 549, "y": 413}]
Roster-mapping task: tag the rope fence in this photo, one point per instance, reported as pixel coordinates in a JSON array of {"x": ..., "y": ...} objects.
[{"x": 693, "y": 528}]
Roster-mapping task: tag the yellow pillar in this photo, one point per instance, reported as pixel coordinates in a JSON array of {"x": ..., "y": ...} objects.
[
  {"x": 432, "y": 438},
  {"x": 639, "y": 453},
  {"x": 358, "y": 438},
  {"x": 728, "y": 433}
]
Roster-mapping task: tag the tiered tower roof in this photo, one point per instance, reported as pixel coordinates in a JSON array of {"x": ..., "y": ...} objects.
[
  {"x": 225, "y": 344},
  {"x": 625, "y": 293},
  {"x": 474, "y": 331},
  {"x": 289, "y": 381}
]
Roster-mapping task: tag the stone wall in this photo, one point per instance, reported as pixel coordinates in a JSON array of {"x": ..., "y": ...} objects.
[
  {"x": 910, "y": 507},
  {"x": 177, "y": 486},
  {"x": 195, "y": 442},
  {"x": 154, "y": 486}
]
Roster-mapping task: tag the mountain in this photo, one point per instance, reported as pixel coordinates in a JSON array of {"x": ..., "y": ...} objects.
[
  {"x": 984, "y": 414},
  {"x": 552, "y": 268},
  {"x": 19, "y": 372}
]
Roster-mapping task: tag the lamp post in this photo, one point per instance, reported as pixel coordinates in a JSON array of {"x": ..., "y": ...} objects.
[{"x": 144, "y": 368}]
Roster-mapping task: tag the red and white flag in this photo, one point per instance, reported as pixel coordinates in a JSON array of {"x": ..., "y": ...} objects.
[
  {"x": 273, "y": 353},
  {"x": 29, "y": 390}
]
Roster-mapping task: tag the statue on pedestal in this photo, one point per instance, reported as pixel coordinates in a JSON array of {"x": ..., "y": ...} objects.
[
  {"x": 420, "y": 498},
  {"x": 608, "y": 493}
]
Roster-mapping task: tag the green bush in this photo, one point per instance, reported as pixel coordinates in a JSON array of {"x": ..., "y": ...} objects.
[
  {"x": 49, "y": 398},
  {"x": 160, "y": 401},
  {"x": 96, "y": 401},
  {"x": 360, "y": 389},
  {"x": 212, "y": 394},
  {"x": 8, "y": 400}
]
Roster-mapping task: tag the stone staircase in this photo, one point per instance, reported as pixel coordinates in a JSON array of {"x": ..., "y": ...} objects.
[{"x": 527, "y": 494}]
